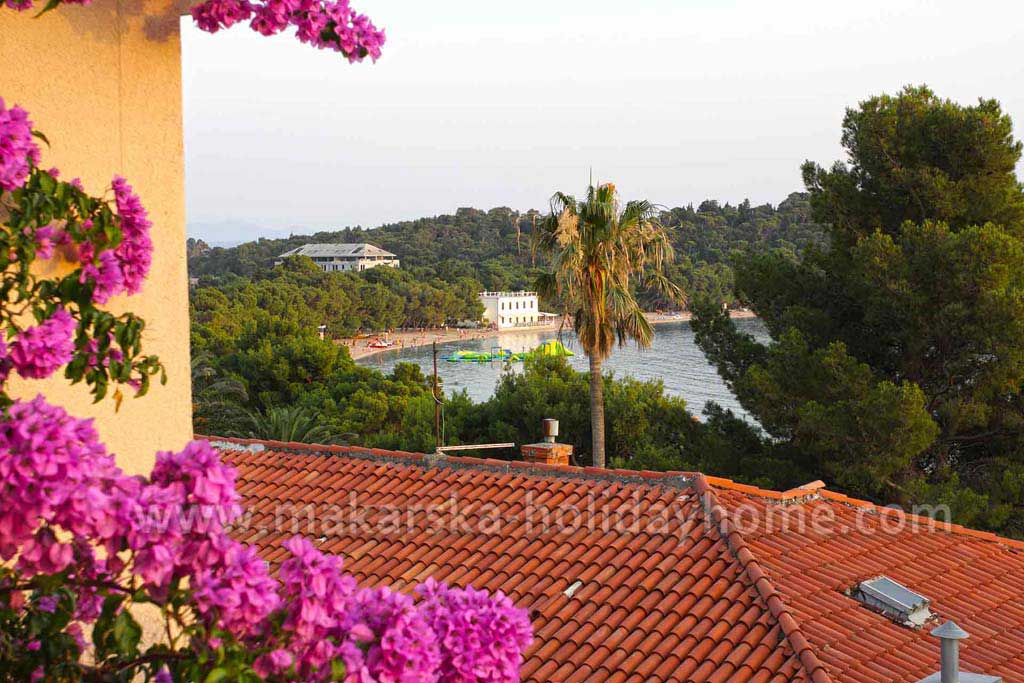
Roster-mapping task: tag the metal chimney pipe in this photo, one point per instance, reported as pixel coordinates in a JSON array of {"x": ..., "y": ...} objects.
[
  {"x": 550, "y": 430},
  {"x": 950, "y": 635}
]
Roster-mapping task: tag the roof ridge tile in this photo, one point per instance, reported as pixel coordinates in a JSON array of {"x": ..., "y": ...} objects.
[
  {"x": 816, "y": 491},
  {"x": 948, "y": 527},
  {"x": 811, "y": 491},
  {"x": 813, "y": 667},
  {"x": 672, "y": 479}
]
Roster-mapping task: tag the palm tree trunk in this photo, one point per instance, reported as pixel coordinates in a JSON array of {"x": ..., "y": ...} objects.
[{"x": 597, "y": 410}]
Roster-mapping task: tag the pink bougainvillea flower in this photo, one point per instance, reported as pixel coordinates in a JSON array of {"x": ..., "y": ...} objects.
[
  {"x": 38, "y": 351},
  {"x": 17, "y": 146},
  {"x": 47, "y": 603},
  {"x": 74, "y": 629},
  {"x": 481, "y": 636},
  {"x": 20, "y": 5},
  {"x": 273, "y": 663},
  {"x": 107, "y": 275},
  {"x": 135, "y": 252},
  {"x": 45, "y": 238},
  {"x": 112, "y": 355},
  {"x": 325, "y": 24},
  {"x": 213, "y": 15}
]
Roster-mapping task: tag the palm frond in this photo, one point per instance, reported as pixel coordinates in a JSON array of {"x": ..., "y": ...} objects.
[
  {"x": 596, "y": 251},
  {"x": 291, "y": 423},
  {"x": 546, "y": 285}
]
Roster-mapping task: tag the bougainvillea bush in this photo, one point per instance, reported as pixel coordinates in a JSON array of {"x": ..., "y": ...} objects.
[
  {"x": 84, "y": 547},
  {"x": 324, "y": 24}
]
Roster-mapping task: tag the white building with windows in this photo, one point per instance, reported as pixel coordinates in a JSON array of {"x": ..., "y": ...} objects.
[
  {"x": 510, "y": 309},
  {"x": 343, "y": 257}
]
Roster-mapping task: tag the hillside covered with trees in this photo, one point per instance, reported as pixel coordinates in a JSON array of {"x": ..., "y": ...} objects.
[{"x": 447, "y": 258}]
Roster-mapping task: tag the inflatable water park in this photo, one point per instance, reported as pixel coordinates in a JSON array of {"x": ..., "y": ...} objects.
[{"x": 551, "y": 347}]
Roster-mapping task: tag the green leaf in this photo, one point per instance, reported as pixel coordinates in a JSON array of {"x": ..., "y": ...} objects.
[
  {"x": 217, "y": 675},
  {"x": 127, "y": 634},
  {"x": 51, "y": 5},
  {"x": 47, "y": 183},
  {"x": 41, "y": 136},
  {"x": 103, "y": 631}
]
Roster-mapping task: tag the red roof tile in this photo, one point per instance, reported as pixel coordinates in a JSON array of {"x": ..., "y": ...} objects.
[{"x": 648, "y": 576}]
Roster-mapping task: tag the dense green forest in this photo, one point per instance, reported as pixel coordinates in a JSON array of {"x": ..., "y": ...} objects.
[
  {"x": 447, "y": 259},
  {"x": 299, "y": 292},
  {"x": 495, "y": 246}
]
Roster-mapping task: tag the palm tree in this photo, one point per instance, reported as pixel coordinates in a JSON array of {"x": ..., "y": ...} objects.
[
  {"x": 207, "y": 379},
  {"x": 217, "y": 398},
  {"x": 595, "y": 252},
  {"x": 293, "y": 423}
]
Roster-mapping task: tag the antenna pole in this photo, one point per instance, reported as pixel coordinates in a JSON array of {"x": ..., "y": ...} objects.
[{"x": 437, "y": 403}]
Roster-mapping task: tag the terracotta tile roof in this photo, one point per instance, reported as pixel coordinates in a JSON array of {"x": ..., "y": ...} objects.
[
  {"x": 973, "y": 578},
  {"x": 647, "y": 577}
]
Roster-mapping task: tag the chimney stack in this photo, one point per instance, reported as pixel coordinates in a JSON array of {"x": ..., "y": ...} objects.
[
  {"x": 550, "y": 427},
  {"x": 548, "y": 451}
]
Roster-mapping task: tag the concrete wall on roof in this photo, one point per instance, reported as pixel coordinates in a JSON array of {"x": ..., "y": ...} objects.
[{"x": 104, "y": 83}]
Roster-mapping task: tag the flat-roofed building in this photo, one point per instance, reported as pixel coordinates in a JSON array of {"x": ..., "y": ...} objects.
[
  {"x": 510, "y": 309},
  {"x": 343, "y": 257}
]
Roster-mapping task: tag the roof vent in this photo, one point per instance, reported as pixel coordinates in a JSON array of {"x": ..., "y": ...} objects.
[
  {"x": 950, "y": 634},
  {"x": 894, "y": 600},
  {"x": 571, "y": 590}
]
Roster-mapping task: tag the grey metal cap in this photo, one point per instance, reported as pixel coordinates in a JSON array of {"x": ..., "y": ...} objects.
[{"x": 950, "y": 631}]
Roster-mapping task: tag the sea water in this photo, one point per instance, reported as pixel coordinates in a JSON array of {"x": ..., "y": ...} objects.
[{"x": 673, "y": 358}]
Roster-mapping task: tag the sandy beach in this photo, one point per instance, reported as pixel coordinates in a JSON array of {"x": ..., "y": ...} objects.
[{"x": 360, "y": 348}]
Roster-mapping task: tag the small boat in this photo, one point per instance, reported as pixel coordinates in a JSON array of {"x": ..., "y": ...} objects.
[{"x": 381, "y": 344}]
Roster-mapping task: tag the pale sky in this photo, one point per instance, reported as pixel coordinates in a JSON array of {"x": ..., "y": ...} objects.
[{"x": 483, "y": 103}]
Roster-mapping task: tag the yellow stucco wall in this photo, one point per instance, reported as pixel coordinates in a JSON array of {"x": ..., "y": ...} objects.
[{"x": 104, "y": 83}]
